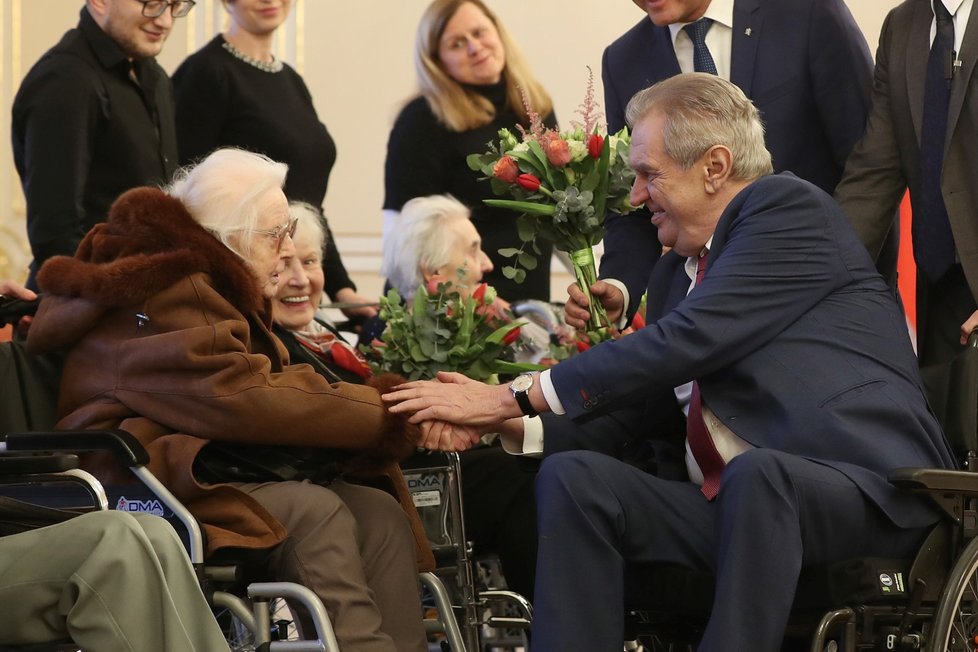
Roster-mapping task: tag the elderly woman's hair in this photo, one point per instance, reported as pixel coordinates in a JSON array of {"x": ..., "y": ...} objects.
[
  {"x": 421, "y": 241},
  {"x": 703, "y": 110},
  {"x": 221, "y": 192},
  {"x": 462, "y": 109},
  {"x": 310, "y": 224}
]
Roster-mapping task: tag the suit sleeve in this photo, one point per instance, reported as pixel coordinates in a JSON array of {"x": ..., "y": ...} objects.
[
  {"x": 873, "y": 182},
  {"x": 63, "y": 106},
  {"x": 631, "y": 242},
  {"x": 842, "y": 76},
  {"x": 780, "y": 260}
]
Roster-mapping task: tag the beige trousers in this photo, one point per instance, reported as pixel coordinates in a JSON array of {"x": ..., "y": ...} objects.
[
  {"x": 352, "y": 546},
  {"x": 109, "y": 581}
]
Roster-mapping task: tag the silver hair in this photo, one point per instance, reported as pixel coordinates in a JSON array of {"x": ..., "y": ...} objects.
[
  {"x": 311, "y": 224},
  {"x": 703, "y": 110},
  {"x": 421, "y": 240},
  {"x": 221, "y": 192}
]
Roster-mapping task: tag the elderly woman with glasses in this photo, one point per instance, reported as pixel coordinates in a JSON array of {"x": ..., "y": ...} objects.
[{"x": 164, "y": 317}]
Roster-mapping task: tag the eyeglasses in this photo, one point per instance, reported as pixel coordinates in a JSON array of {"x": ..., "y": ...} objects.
[
  {"x": 280, "y": 231},
  {"x": 155, "y": 8}
]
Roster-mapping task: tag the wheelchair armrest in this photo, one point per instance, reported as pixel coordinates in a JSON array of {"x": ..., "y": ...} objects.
[
  {"x": 20, "y": 465},
  {"x": 124, "y": 447},
  {"x": 935, "y": 480}
]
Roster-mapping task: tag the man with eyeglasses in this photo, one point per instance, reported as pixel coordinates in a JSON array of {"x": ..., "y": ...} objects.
[{"x": 94, "y": 118}]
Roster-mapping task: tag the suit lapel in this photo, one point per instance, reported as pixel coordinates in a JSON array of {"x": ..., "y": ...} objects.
[
  {"x": 917, "y": 52},
  {"x": 959, "y": 87},
  {"x": 747, "y": 21}
]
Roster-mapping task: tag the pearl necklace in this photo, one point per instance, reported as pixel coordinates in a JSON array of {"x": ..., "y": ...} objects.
[{"x": 268, "y": 66}]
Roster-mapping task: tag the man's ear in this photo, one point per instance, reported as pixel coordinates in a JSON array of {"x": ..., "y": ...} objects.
[
  {"x": 718, "y": 167},
  {"x": 97, "y": 8}
]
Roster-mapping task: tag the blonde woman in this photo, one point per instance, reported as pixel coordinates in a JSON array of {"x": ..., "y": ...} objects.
[{"x": 470, "y": 73}]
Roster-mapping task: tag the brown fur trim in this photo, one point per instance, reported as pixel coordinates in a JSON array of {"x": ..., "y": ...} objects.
[
  {"x": 398, "y": 440},
  {"x": 148, "y": 243}
]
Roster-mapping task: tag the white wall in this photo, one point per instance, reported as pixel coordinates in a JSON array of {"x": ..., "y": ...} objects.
[{"x": 356, "y": 59}]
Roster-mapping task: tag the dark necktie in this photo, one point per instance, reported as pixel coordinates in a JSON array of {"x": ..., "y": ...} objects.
[
  {"x": 700, "y": 442},
  {"x": 702, "y": 60},
  {"x": 933, "y": 242}
]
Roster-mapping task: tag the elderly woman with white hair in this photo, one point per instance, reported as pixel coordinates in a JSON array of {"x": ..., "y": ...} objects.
[{"x": 163, "y": 314}]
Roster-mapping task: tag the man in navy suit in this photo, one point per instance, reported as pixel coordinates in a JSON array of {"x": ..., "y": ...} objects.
[
  {"x": 806, "y": 395},
  {"x": 804, "y": 63}
]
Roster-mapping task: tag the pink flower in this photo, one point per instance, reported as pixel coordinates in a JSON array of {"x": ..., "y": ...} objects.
[
  {"x": 528, "y": 182},
  {"x": 434, "y": 282},
  {"x": 595, "y": 143},
  {"x": 506, "y": 169},
  {"x": 558, "y": 152},
  {"x": 511, "y": 336},
  {"x": 378, "y": 344}
]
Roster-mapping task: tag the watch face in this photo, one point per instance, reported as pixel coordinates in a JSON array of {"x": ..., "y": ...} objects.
[{"x": 521, "y": 383}]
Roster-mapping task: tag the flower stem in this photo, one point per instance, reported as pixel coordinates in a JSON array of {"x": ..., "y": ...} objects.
[{"x": 587, "y": 275}]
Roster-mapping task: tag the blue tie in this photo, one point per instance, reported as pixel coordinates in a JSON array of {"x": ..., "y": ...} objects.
[
  {"x": 702, "y": 61},
  {"x": 933, "y": 243}
]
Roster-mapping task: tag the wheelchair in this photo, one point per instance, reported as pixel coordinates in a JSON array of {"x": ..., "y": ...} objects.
[
  {"x": 929, "y": 602},
  {"x": 489, "y": 617},
  {"x": 34, "y": 458}
]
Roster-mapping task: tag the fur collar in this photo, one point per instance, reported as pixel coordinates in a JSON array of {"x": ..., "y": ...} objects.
[{"x": 148, "y": 243}]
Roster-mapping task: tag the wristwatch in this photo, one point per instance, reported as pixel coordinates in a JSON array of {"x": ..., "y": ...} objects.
[{"x": 521, "y": 387}]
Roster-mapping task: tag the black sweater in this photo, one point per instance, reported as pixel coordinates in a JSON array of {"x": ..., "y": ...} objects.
[
  {"x": 222, "y": 101},
  {"x": 425, "y": 157}
]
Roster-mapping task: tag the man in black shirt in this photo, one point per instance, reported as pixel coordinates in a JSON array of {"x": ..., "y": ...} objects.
[{"x": 93, "y": 118}]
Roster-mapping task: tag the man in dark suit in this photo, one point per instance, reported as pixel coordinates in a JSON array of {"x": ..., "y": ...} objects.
[
  {"x": 804, "y": 63},
  {"x": 807, "y": 394},
  {"x": 902, "y": 150}
]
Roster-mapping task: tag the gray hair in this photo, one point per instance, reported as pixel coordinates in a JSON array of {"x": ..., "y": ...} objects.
[
  {"x": 420, "y": 240},
  {"x": 221, "y": 192},
  {"x": 310, "y": 224},
  {"x": 703, "y": 110}
]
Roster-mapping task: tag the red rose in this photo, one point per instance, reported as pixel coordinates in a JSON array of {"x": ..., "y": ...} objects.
[
  {"x": 528, "y": 182},
  {"x": 511, "y": 336},
  {"x": 558, "y": 152},
  {"x": 595, "y": 143},
  {"x": 638, "y": 321},
  {"x": 582, "y": 346},
  {"x": 506, "y": 169}
]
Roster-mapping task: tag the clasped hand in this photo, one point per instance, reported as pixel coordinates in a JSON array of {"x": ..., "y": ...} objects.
[{"x": 454, "y": 411}]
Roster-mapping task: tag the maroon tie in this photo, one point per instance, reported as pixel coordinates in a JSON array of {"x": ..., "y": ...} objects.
[{"x": 700, "y": 442}]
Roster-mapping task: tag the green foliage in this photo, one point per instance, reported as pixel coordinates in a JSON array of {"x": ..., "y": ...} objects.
[{"x": 443, "y": 331}]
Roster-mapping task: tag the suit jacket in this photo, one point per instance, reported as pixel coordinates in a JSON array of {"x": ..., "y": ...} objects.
[
  {"x": 797, "y": 343},
  {"x": 885, "y": 162},
  {"x": 806, "y": 66}
]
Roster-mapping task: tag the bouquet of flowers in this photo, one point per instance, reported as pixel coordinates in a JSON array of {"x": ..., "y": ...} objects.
[
  {"x": 443, "y": 331},
  {"x": 563, "y": 183}
]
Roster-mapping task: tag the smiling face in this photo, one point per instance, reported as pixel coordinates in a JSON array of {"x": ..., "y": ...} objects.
[
  {"x": 258, "y": 17},
  {"x": 667, "y": 12},
  {"x": 267, "y": 254},
  {"x": 469, "y": 49},
  {"x": 123, "y": 21},
  {"x": 300, "y": 287},
  {"x": 682, "y": 206}
]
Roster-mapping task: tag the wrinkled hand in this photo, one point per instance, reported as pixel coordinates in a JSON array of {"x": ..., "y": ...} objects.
[
  {"x": 968, "y": 327},
  {"x": 454, "y": 399},
  {"x": 444, "y": 436},
  {"x": 576, "y": 309}
]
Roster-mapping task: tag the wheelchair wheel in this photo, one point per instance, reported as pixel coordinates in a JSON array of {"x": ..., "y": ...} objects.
[{"x": 955, "y": 625}]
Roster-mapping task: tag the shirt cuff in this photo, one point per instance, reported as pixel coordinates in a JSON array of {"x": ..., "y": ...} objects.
[
  {"x": 624, "y": 293},
  {"x": 532, "y": 439},
  {"x": 550, "y": 393}
]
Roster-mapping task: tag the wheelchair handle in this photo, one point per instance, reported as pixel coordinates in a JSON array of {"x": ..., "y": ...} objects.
[{"x": 122, "y": 445}]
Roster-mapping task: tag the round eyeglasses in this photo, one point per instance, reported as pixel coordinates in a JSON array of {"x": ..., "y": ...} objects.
[
  {"x": 279, "y": 232},
  {"x": 155, "y": 8}
]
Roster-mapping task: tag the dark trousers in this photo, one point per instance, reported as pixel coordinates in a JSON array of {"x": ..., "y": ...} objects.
[
  {"x": 775, "y": 513},
  {"x": 942, "y": 306}
]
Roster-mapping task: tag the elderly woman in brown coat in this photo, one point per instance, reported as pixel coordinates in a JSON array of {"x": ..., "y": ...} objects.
[{"x": 164, "y": 317}]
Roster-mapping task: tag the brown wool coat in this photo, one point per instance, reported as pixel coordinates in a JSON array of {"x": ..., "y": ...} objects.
[{"x": 167, "y": 336}]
